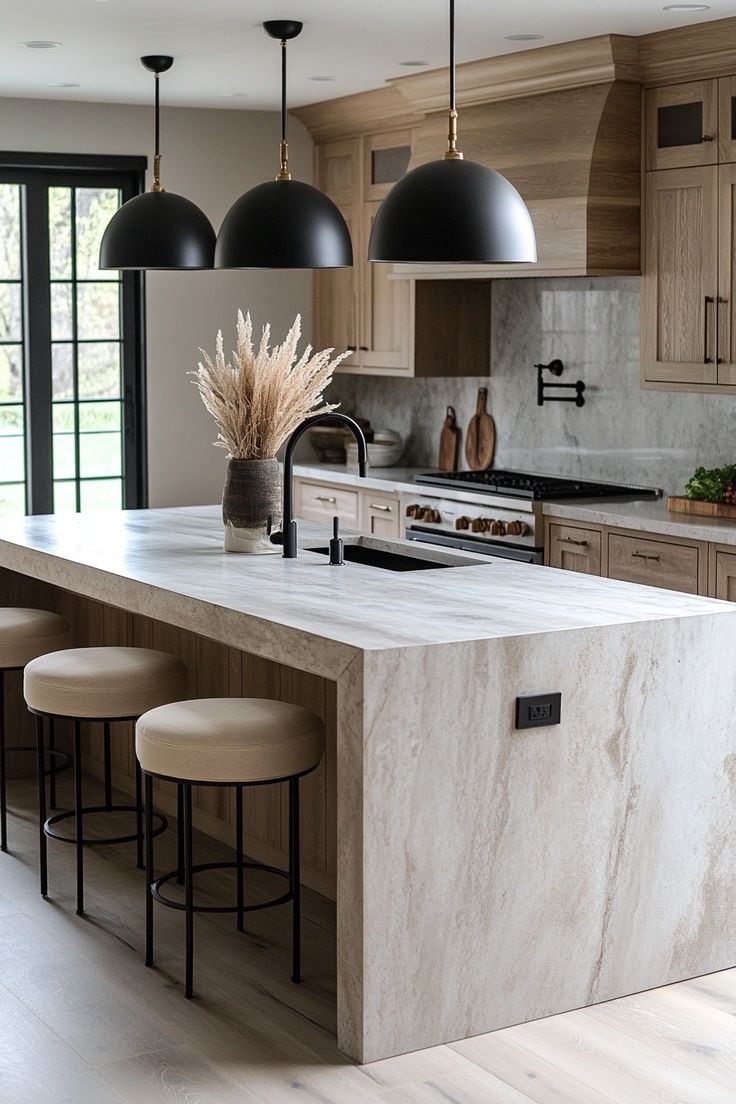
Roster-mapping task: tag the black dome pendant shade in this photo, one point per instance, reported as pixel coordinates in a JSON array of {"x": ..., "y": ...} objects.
[
  {"x": 159, "y": 229},
  {"x": 453, "y": 211},
  {"x": 283, "y": 223}
]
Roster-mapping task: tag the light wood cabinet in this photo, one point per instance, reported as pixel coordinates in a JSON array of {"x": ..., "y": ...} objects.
[
  {"x": 379, "y": 514},
  {"x": 651, "y": 559},
  {"x": 723, "y": 574},
  {"x": 323, "y": 501},
  {"x": 680, "y": 284},
  {"x": 338, "y": 171},
  {"x": 659, "y": 561},
  {"x": 574, "y": 548},
  {"x": 366, "y": 308},
  {"x": 727, "y": 119},
  {"x": 386, "y": 310},
  {"x": 682, "y": 125},
  {"x": 364, "y": 511},
  {"x": 725, "y": 311},
  {"x": 688, "y": 318},
  {"x": 359, "y": 308}
]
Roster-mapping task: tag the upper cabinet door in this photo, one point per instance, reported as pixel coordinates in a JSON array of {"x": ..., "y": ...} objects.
[
  {"x": 386, "y": 315},
  {"x": 338, "y": 171},
  {"x": 680, "y": 284},
  {"x": 725, "y": 311},
  {"x": 385, "y": 160},
  {"x": 727, "y": 118},
  {"x": 682, "y": 125}
]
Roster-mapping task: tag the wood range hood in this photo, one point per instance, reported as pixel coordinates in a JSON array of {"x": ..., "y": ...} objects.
[{"x": 562, "y": 122}]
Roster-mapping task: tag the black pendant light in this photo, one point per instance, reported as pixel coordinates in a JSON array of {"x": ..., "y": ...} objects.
[
  {"x": 159, "y": 229},
  {"x": 283, "y": 223},
  {"x": 453, "y": 211}
]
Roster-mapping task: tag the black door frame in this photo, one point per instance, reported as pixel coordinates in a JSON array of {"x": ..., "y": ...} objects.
[{"x": 38, "y": 172}]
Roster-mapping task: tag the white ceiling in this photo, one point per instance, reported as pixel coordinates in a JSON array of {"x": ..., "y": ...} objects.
[{"x": 224, "y": 58}]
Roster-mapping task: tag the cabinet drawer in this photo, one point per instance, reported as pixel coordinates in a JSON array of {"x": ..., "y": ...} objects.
[
  {"x": 575, "y": 549},
  {"x": 725, "y": 576},
  {"x": 655, "y": 563},
  {"x": 321, "y": 502},
  {"x": 379, "y": 514}
]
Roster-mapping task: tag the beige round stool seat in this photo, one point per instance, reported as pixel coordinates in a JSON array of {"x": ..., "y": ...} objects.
[
  {"x": 229, "y": 740},
  {"x": 104, "y": 683},
  {"x": 27, "y": 633}
]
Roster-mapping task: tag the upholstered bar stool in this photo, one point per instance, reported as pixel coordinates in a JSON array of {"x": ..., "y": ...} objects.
[
  {"x": 96, "y": 685},
  {"x": 24, "y": 635},
  {"x": 238, "y": 742}
]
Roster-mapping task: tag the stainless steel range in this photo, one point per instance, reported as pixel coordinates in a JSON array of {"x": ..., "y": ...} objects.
[{"x": 496, "y": 512}]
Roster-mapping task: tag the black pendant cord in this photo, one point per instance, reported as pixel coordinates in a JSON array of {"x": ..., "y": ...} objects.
[
  {"x": 284, "y": 173},
  {"x": 452, "y": 55},
  {"x": 452, "y": 153},
  {"x": 157, "y": 137}
]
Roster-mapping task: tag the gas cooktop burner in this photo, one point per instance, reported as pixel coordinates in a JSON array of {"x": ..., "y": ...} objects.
[{"x": 524, "y": 485}]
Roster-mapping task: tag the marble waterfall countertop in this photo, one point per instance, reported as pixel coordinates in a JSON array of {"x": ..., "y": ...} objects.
[
  {"x": 169, "y": 564},
  {"x": 465, "y": 900},
  {"x": 645, "y": 515}
]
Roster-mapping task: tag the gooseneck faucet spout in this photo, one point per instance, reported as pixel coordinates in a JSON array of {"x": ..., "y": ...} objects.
[{"x": 290, "y": 529}]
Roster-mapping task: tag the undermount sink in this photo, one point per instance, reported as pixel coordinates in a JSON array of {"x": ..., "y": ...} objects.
[{"x": 389, "y": 561}]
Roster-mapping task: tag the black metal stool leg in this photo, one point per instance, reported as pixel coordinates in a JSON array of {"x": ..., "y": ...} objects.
[
  {"x": 188, "y": 888},
  {"x": 42, "y": 841},
  {"x": 52, "y": 765},
  {"x": 294, "y": 878},
  {"x": 239, "y": 857},
  {"x": 108, "y": 764},
  {"x": 79, "y": 816},
  {"x": 3, "y": 783},
  {"x": 149, "y": 870},
  {"x": 180, "y": 834},
  {"x": 139, "y": 815}
]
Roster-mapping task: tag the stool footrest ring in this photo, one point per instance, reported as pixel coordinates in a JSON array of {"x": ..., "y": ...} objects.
[
  {"x": 200, "y": 867},
  {"x": 52, "y": 821},
  {"x": 64, "y": 757}
]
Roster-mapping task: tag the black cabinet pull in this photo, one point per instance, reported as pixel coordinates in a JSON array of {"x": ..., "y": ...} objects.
[{"x": 708, "y": 301}]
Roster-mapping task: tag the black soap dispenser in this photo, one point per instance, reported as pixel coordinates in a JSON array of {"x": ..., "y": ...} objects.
[{"x": 336, "y": 558}]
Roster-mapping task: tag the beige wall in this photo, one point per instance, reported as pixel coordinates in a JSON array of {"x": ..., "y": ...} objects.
[{"x": 211, "y": 157}]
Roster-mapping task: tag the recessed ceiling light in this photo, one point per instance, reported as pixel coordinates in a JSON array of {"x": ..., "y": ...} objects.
[
  {"x": 40, "y": 44},
  {"x": 413, "y": 64},
  {"x": 522, "y": 37},
  {"x": 686, "y": 7},
  {"x": 65, "y": 84},
  {"x": 322, "y": 78},
  {"x": 234, "y": 95}
]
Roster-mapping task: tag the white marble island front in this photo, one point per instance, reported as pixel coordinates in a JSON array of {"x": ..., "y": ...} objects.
[{"x": 485, "y": 875}]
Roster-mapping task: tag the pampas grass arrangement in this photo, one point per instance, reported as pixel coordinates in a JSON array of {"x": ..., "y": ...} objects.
[{"x": 259, "y": 398}]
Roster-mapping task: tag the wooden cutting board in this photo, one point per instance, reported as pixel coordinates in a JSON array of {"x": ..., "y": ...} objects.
[
  {"x": 449, "y": 443},
  {"x": 681, "y": 505},
  {"x": 480, "y": 442}
]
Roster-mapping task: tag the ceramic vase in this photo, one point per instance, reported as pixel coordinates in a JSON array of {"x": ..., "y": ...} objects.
[{"x": 252, "y": 506}]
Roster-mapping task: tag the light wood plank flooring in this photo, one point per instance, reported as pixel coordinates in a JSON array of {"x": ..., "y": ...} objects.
[{"x": 83, "y": 1022}]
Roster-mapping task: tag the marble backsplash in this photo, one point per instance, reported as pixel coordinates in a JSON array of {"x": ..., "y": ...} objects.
[{"x": 622, "y": 433}]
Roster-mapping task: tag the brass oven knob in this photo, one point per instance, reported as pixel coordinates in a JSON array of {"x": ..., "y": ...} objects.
[
  {"x": 516, "y": 528},
  {"x": 412, "y": 511},
  {"x": 497, "y": 529},
  {"x": 477, "y": 525},
  {"x": 462, "y": 523}
]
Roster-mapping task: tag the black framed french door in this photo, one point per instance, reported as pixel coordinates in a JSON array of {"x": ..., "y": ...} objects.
[{"x": 72, "y": 342}]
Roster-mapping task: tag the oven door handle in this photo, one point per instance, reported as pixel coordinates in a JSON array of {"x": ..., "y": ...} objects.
[{"x": 480, "y": 547}]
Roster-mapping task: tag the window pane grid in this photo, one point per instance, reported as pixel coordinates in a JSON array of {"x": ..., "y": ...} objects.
[
  {"x": 12, "y": 360},
  {"x": 87, "y": 433}
]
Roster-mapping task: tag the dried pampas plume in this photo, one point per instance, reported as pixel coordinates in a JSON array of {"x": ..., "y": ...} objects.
[{"x": 259, "y": 399}]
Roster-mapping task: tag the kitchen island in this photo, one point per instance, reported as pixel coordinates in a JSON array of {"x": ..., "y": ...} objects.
[{"x": 484, "y": 875}]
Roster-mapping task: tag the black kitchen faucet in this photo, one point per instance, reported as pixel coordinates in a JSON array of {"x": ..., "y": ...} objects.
[{"x": 289, "y": 536}]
